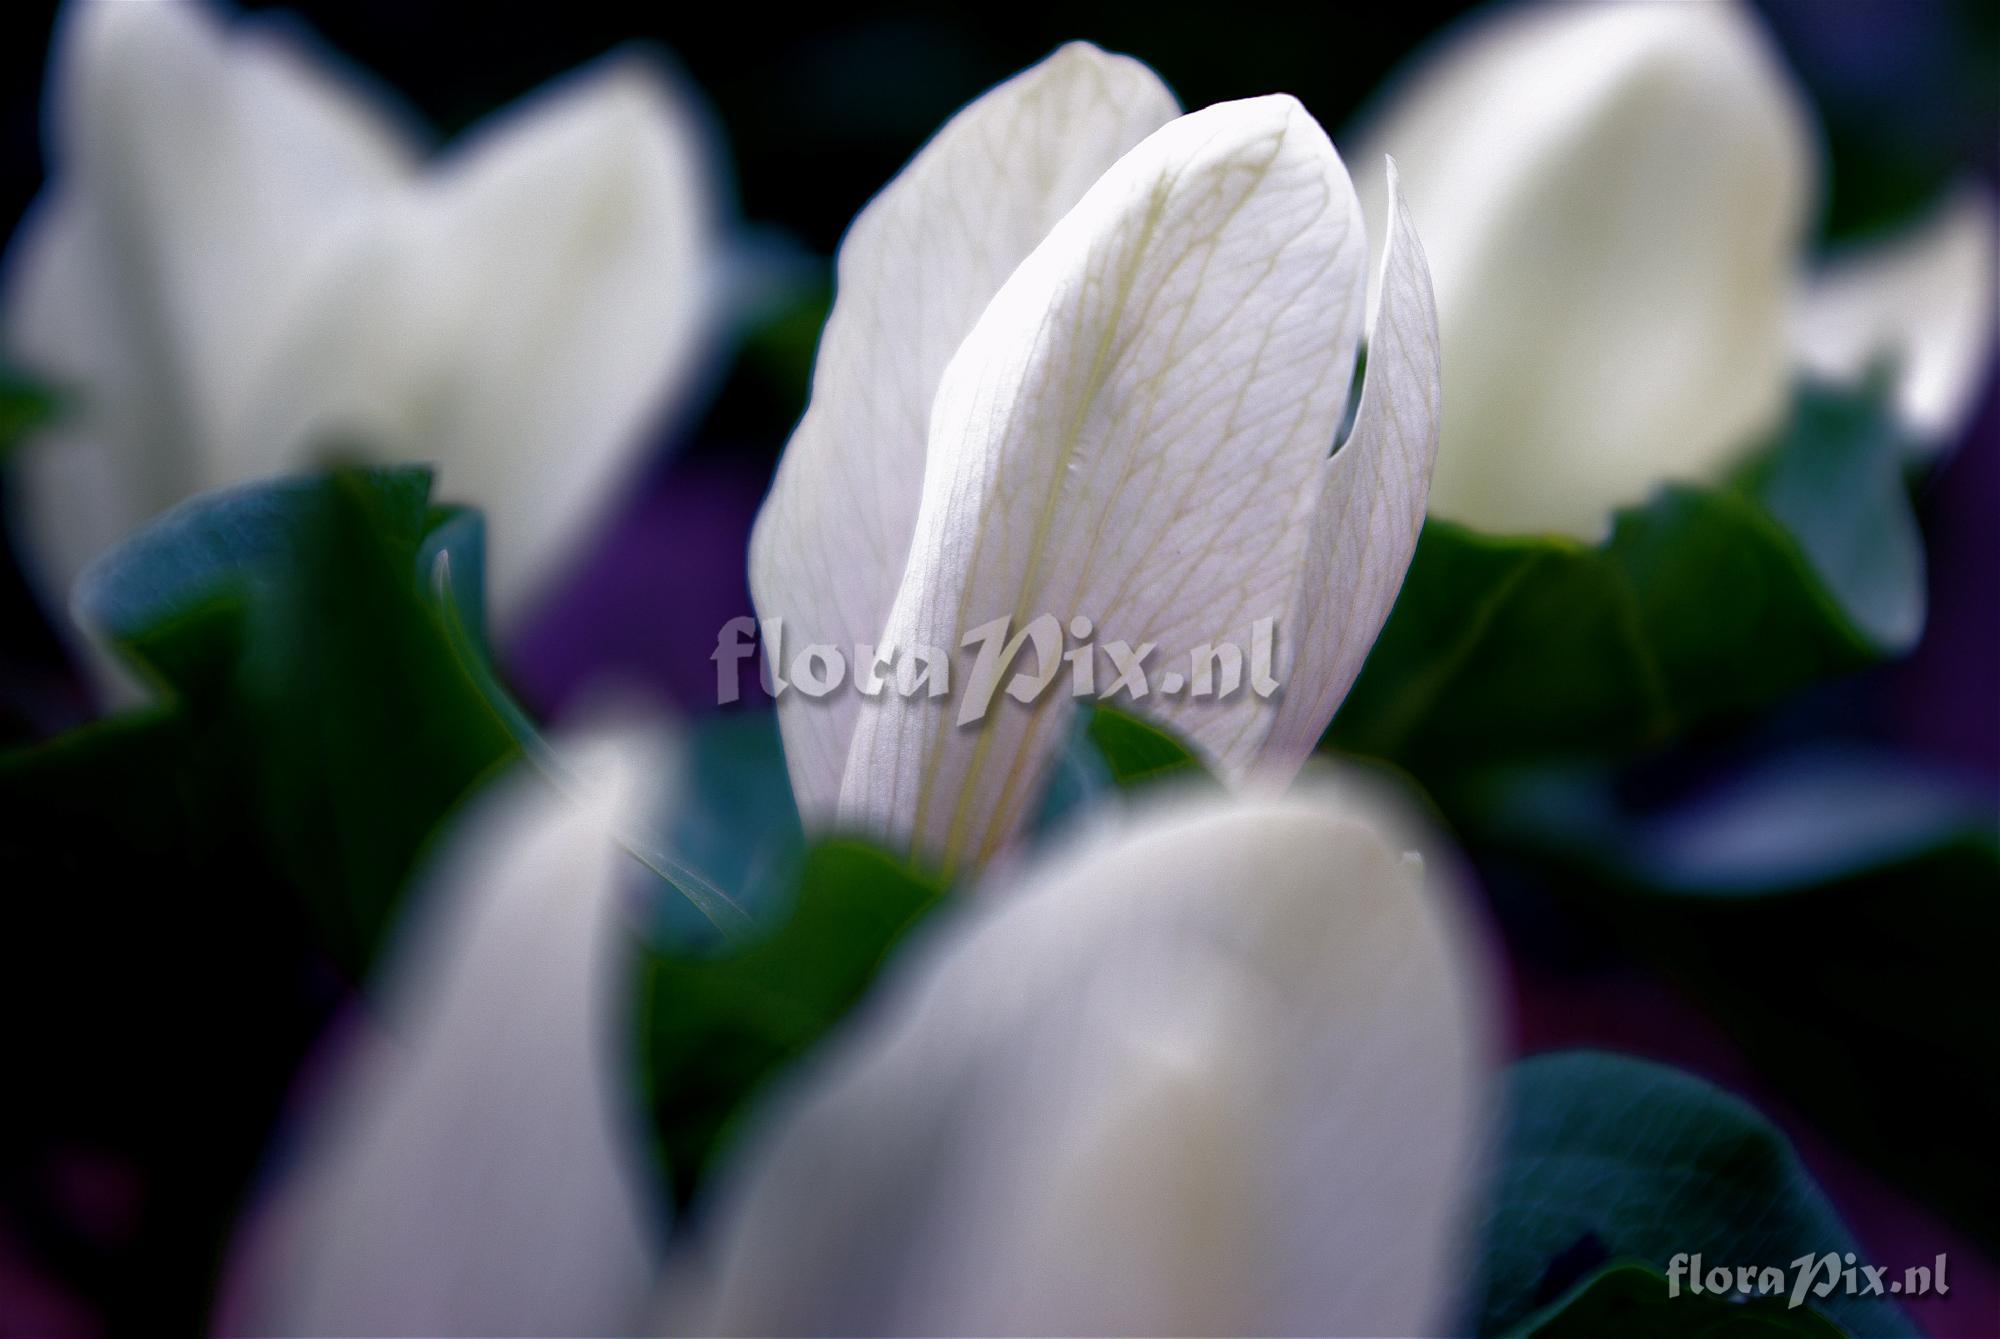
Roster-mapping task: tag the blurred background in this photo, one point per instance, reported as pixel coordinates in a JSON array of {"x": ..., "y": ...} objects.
[{"x": 817, "y": 108}]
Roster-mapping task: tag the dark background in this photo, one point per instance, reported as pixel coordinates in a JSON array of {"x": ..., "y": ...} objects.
[{"x": 821, "y": 104}]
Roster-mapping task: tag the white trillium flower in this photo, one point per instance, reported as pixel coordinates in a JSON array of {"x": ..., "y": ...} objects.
[
  {"x": 1617, "y": 201},
  {"x": 1223, "y": 1068},
  {"x": 242, "y": 259},
  {"x": 1089, "y": 360}
]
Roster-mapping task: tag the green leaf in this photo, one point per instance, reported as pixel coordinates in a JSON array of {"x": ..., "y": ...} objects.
[
  {"x": 1111, "y": 750},
  {"x": 716, "y": 1029},
  {"x": 1138, "y": 752},
  {"x": 290, "y": 624},
  {"x": 322, "y": 705},
  {"x": 182, "y": 869},
  {"x": 1703, "y": 603},
  {"x": 1633, "y": 1301},
  {"x": 1835, "y": 481},
  {"x": 1836, "y": 913},
  {"x": 330, "y": 627},
  {"x": 1609, "y": 1158},
  {"x": 733, "y": 818}
]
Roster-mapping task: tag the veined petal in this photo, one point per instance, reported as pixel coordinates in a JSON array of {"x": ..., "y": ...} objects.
[
  {"x": 919, "y": 265},
  {"x": 1614, "y": 198},
  {"x": 520, "y": 317},
  {"x": 1924, "y": 300},
  {"x": 1131, "y": 435},
  {"x": 1371, "y": 502},
  {"x": 1223, "y": 1073},
  {"x": 197, "y": 171},
  {"x": 478, "y": 1170}
]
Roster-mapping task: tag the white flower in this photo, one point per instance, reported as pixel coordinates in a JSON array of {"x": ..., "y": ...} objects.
[
  {"x": 1617, "y": 199},
  {"x": 1089, "y": 360},
  {"x": 475, "y": 1166},
  {"x": 1222, "y": 1069},
  {"x": 1221, "y": 1072},
  {"x": 1925, "y": 299},
  {"x": 241, "y": 260}
]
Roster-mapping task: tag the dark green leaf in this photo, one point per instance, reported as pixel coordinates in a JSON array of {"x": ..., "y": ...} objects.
[
  {"x": 1078, "y": 778},
  {"x": 1609, "y": 1158},
  {"x": 1703, "y": 603},
  {"x": 715, "y": 1029},
  {"x": 1139, "y": 752},
  {"x": 322, "y": 705},
  {"x": 1502, "y": 649},
  {"x": 1835, "y": 481},
  {"x": 185, "y": 869},
  {"x": 1632, "y": 1301},
  {"x": 295, "y": 626},
  {"x": 735, "y": 820},
  {"x": 1836, "y": 913},
  {"x": 453, "y": 557},
  {"x": 1110, "y": 750},
  {"x": 331, "y": 627}
]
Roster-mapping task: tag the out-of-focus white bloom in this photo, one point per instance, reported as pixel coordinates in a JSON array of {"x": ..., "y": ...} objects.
[
  {"x": 1221, "y": 1072},
  {"x": 478, "y": 1167},
  {"x": 1616, "y": 201},
  {"x": 1089, "y": 360},
  {"x": 1221, "y": 1068},
  {"x": 1924, "y": 299},
  {"x": 241, "y": 259}
]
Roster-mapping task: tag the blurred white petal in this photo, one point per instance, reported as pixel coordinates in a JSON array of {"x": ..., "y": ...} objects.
[
  {"x": 1923, "y": 300},
  {"x": 519, "y": 317},
  {"x": 478, "y": 1169},
  {"x": 1613, "y": 198},
  {"x": 1131, "y": 434},
  {"x": 1224, "y": 1073},
  {"x": 196, "y": 169},
  {"x": 237, "y": 263},
  {"x": 916, "y": 269},
  {"x": 1371, "y": 503}
]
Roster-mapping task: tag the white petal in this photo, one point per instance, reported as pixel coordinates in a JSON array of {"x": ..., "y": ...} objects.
[
  {"x": 477, "y": 1171},
  {"x": 1613, "y": 198},
  {"x": 521, "y": 317},
  {"x": 1222, "y": 1074},
  {"x": 1131, "y": 434},
  {"x": 196, "y": 171},
  {"x": 1925, "y": 300},
  {"x": 919, "y": 265},
  {"x": 1371, "y": 505}
]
